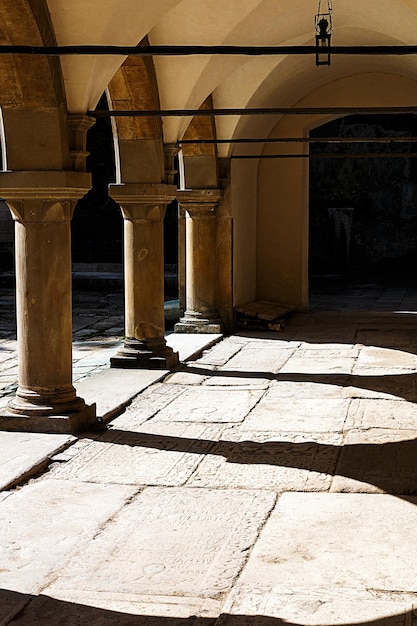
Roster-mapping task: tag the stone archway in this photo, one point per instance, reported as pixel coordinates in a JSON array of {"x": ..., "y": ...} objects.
[{"x": 283, "y": 185}]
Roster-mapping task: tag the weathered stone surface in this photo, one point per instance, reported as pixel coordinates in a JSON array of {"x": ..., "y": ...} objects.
[
  {"x": 147, "y": 404},
  {"x": 188, "y": 543},
  {"x": 160, "y": 454},
  {"x": 259, "y": 360},
  {"x": 387, "y": 358},
  {"x": 332, "y": 548},
  {"x": 190, "y": 374},
  {"x": 317, "y": 362},
  {"x": 221, "y": 353},
  {"x": 232, "y": 378},
  {"x": 22, "y": 453},
  {"x": 378, "y": 461},
  {"x": 264, "y": 607},
  {"x": 189, "y": 346},
  {"x": 112, "y": 389},
  {"x": 274, "y": 413},
  {"x": 210, "y": 405},
  {"x": 392, "y": 414},
  {"x": 44, "y": 523},
  {"x": 282, "y": 388},
  {"x": 277, "y": 461}
]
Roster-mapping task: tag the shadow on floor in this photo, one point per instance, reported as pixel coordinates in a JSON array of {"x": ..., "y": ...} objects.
[
  {"x": 391, "y": 466},
  {"x": 400, "y": 385},
  {"x": 26, "y": 610}
]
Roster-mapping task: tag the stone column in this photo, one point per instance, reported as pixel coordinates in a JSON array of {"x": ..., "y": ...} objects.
[
  {"x": 45, "y": 400},
  {"x": 201, "y": 314},
  {"x": 143, "y": 207}
]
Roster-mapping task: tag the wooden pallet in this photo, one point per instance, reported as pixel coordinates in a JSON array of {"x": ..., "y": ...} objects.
[{"x": 262, "y": 315}]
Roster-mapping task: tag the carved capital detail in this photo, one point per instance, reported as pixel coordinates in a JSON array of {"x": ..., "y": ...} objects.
[
  {"x": 200, "y": 202},
  {"x": 78, "y": 126},
  {"x": 143, "y": 201},
  {"x": 43, "y": 196}
]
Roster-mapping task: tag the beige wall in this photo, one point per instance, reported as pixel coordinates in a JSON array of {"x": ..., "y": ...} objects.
[
  {"x": 282, "y": 187},
  {"x": 244, "y": 206}
]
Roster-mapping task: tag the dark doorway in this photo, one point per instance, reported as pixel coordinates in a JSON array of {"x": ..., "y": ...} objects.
[
  {"x": 363, "y": 211},
  {"x": 97, "y": 224}
]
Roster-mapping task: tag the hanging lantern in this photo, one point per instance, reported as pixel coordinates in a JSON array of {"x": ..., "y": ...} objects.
[{"x": 324, "y": 30}]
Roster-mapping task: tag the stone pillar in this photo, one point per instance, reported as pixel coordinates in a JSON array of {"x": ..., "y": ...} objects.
[
  {"x": 45, "y": 400},
  {"x": 201, "y": 315},
  {"x": 143, "y": 207}
]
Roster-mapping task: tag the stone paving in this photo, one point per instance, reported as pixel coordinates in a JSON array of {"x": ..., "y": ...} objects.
[{"x": 271, "y": 480}]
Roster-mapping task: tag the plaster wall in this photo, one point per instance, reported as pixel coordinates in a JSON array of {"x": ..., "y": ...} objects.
[
  {"x": 282, "y": 215},
  {"x": 243, "y": 207}
]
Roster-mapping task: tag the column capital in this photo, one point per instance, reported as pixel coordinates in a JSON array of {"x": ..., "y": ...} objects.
[
  {"x": 78, "y": 125},
  {"x": 200, "y": 202},
  {"x": 40, "y": 196},
  {"x": 143, "y": 201},
  {"x": 170, "y": 152}
]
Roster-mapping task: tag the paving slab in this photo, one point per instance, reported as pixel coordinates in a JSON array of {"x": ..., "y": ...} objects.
[
  {"x": 378, "y": 461},
  {"x": 22, "y": 454},
  {"x": 276, "y": 461},
  {"x": 332, "y": 549},
  {"x": 221, "y": 353},
  {"x": 191, "y": 345},
  {"x": 317, "y": 362},
  {"x": 283, "y": 388},
  {"x": 210, "y": 405},
  {"x": 223, "y": 377},
  {"x": 44, "y": 523},
  {"x": 191, "y": 373},
  {"x": 274, "y": 413},
  {"x": 187, "y": 544},
  {"x": 112, "y": 389},
  {"x": 263, "y": 607},
  {"x": 392, "y": 414},
  {"x": 147, "y": 404},
  {"x": 158, "y": 454},
  {"x": 386, "y": 358},
  {"x": 258, "y": 359}
]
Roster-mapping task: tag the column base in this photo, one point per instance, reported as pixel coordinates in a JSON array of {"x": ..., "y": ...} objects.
[
  {"x": 152, "y": 354},
  {"x": 198, "y": 325},
  {"x": 71, "y": 423},
  {"x": 48, "y": 411}
]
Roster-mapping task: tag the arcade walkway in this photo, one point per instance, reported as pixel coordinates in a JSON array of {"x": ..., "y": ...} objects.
[{"x": 271, "y": 480}]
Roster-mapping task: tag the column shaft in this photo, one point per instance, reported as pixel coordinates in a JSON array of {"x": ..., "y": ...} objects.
[
  {"x": 143, "y": 208},
  {"x": 45, "y": 400},
  {"x": 201, "y": 314}
]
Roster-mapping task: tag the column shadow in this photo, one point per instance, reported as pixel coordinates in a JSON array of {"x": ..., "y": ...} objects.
[{"x": 17, "y": 609}]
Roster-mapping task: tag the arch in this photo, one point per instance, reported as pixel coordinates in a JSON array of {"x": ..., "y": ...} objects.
[
  {"x": 200, "y": 160},
  {"x": 270, "y": 196},
  {"x": 32, "y": 93},
  {"x": 133, "y": 87}
]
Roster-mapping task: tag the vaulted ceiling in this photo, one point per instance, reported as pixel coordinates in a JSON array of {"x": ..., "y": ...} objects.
[{"x": 233, "y": 81}]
